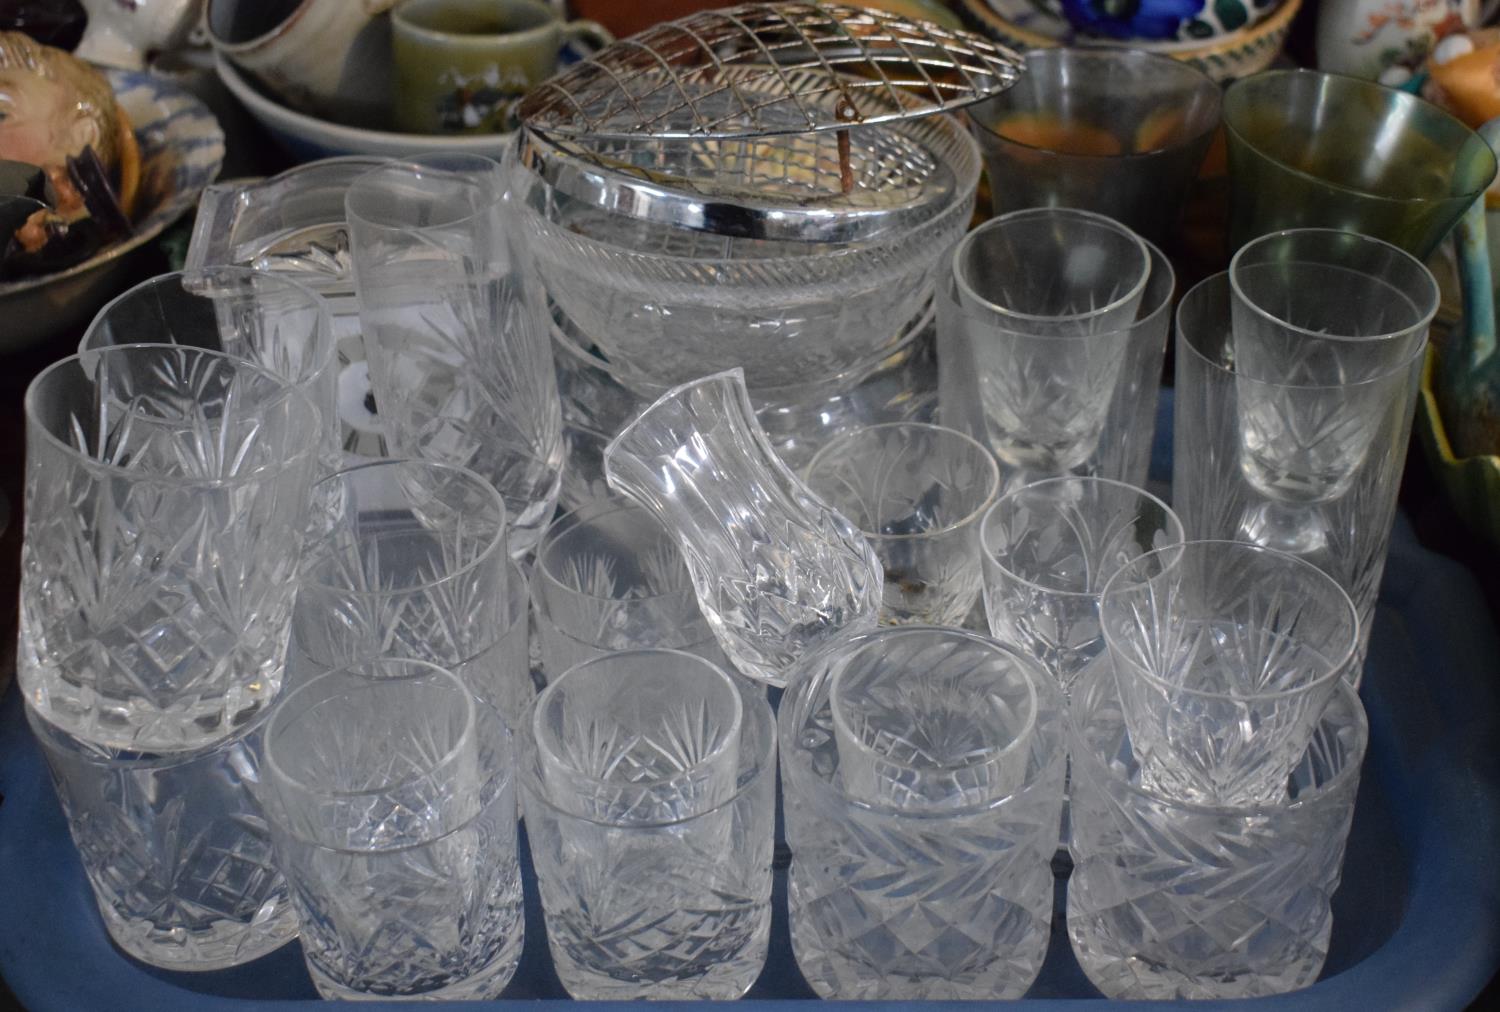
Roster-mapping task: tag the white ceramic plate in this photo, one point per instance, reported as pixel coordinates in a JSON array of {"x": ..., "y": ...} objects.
[{"x": 308, "y": 138}]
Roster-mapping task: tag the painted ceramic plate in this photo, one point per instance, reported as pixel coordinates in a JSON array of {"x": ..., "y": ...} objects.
[
  {"x": 308, "y": 138},
  {"x": 181, "y": 149}
]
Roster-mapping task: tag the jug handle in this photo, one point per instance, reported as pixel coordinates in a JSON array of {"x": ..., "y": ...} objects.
[{"x": 1477, "y": 343}]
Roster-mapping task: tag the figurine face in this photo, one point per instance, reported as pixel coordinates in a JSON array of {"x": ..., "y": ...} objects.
[{"x": 51, "y": 105}]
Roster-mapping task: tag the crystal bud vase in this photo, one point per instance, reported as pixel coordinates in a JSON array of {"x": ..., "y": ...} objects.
[{"x": 775, "y": 570}]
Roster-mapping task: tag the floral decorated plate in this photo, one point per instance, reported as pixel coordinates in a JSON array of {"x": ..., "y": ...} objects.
[
  {"x": 181, "y": 149},
  {"x": 1226, "y": 39}
]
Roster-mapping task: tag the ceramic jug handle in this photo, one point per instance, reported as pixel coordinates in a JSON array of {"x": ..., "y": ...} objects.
[{"x": 597, "y": 36}]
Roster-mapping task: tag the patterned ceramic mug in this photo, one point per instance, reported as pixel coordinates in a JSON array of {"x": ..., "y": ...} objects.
[{"x": 462, "y": 64}]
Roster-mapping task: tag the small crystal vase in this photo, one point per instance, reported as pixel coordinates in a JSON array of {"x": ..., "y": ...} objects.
[{"x": 774, "y": 568}]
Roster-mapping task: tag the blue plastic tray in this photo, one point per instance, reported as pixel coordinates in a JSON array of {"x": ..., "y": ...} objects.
[{"x": 1416, "y": 921}]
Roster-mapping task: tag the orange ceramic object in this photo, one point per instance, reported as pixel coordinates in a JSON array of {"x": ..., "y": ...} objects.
[
  {"x": 1050, "y": 134},
  {"x": 1471, "y": 84}
]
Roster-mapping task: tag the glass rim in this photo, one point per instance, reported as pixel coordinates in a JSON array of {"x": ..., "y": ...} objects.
[
  {"x": 292, "y": 393},
  {"x": 1185, "y": 339},
  {"x": 412, "y": 166},
  {"x": 597, "y": 510},
  {"x": 1076, "y": 734},
  {"x": 1346, "y": 81},
  {"x": 538, "y": 740},
  {"x": 419, "y": 669},
  {"x": 1433, "y": 302},
  {"x": 553, "y": 629},
  {"x": 57, "y": 739},
  {"x": 1020, "y": 742},
  {"x": 529, "y": 774},
  {"x": 497, "y": 544},
  {"x": 937, "y": 431},
  {"x": 1202, "y": 84},
  {"x": 489, "y": 793},
  {"x": 1140, "y": 493},
  {"x": 184, "y": 278},
  {"x": 1136, "y": 290},
  {"x": 1337, "y": 663},
  {"x": 733, "y": 378},
  {"x": 794, "y": 702}
]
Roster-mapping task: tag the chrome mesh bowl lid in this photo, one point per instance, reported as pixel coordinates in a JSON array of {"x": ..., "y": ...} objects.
[{"x": 794, "y": 121}]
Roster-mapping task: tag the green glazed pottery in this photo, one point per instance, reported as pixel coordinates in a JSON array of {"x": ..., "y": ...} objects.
[{"x": 462, "y": 64}]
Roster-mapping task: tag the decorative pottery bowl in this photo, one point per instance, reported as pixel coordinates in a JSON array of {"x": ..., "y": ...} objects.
[
  {"x": 1193, "y": 21},
  {"x": 1024, "y": 24},
  {"x": 1472, "y": 484},
  {"x": 181, "y": 149},
  {"x": 307, "y": 138}
]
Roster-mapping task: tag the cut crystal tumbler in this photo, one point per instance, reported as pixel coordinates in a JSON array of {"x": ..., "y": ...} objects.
[
  {"x": 1170, "y": 899},
  {"x": 175, "y": 847},
  {"x": 273, "y": 320},
  {"x": 917, "y": 493},
  {"x": 1225, "y": 655},
  {"x": 1039, "y": 309},
  {"x": 904, "y": 903},
  {"x": 776, "y": 570},
  {"x": 929, "y": 717},
  {"x": 455, "y": 327},
  {"x": 167, "y": 492},
  {"x": 409, "y": 562},
  {"x": 391, "y": 797},
  {"x": 677, "y": 909},
  {"x": 639, "y": 737},
  {"x": 1347, "y": 537},
  {"x": 607, "y": 578},
  {"x": 1049, "y": 549}
]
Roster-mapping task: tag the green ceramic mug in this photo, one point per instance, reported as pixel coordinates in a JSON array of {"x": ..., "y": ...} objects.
[{"x": 462, "y": 64}]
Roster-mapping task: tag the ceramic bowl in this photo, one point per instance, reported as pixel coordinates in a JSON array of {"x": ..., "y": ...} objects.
[
  {"x": 1472, "y": 484},
  {"x": 307, "y": 138},
  {"x": 181, "y": 149},
  {"x": 1150, "y": 20},
  {"x": 1022, "y": 25}
]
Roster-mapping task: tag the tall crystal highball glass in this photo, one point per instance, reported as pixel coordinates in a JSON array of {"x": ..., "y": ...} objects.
[
  {"x": 1316, "y": 315},
  {"x": 1217, "y": 490},
  {"x": 455, "y": 327}
]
